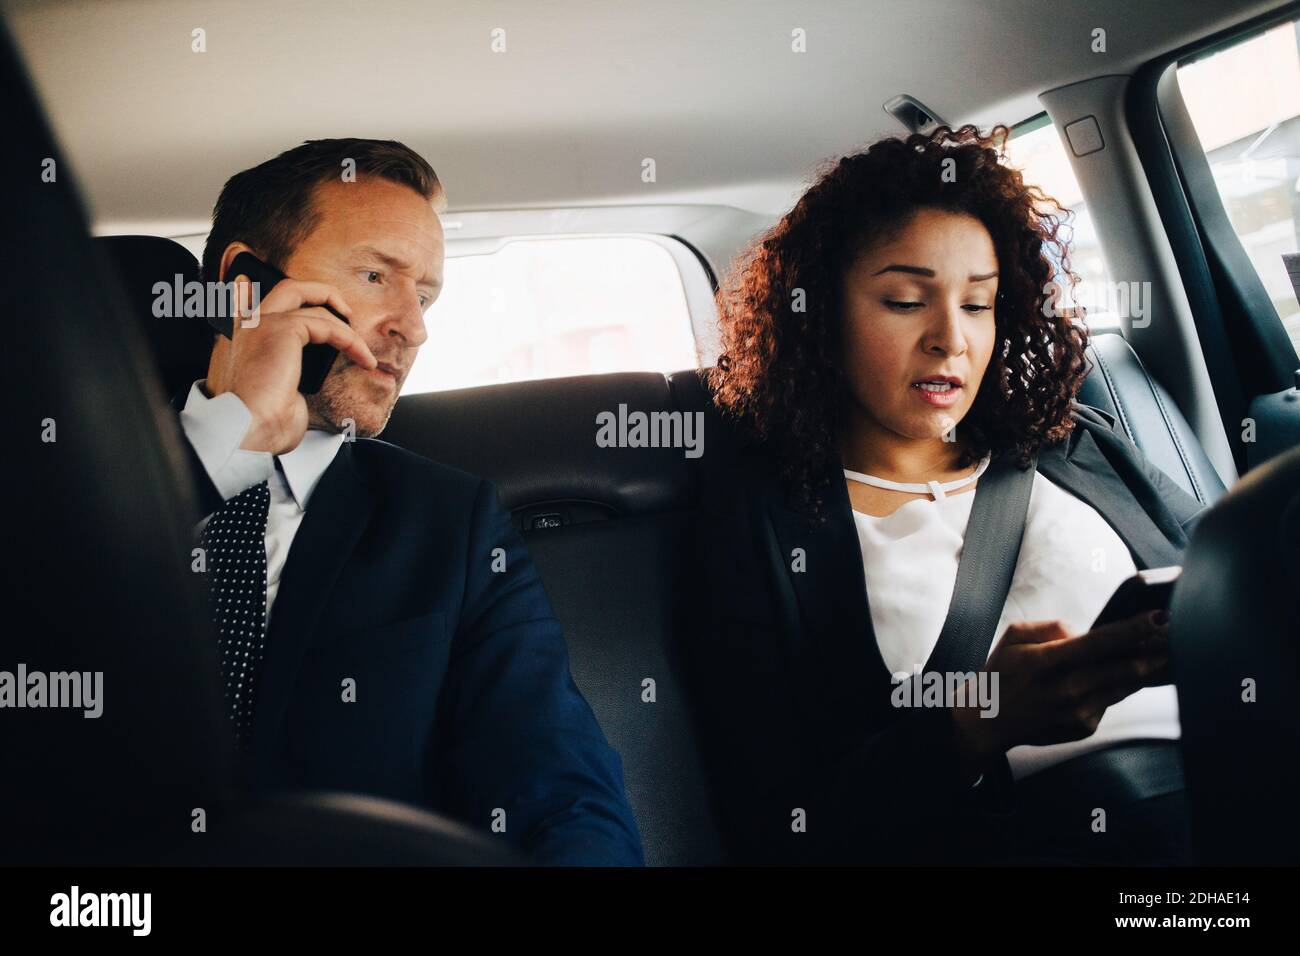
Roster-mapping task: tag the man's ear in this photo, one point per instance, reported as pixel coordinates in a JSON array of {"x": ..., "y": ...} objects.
[{"x": 227, "y": 257}]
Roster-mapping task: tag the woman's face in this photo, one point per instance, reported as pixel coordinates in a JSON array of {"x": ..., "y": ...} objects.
[{"x": 918, "y": 308}]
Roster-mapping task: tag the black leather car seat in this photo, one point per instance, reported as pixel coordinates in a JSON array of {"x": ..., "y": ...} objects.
[
  {"x": 1119, "y": 384},
  {"x": 1235, "y": 648}
]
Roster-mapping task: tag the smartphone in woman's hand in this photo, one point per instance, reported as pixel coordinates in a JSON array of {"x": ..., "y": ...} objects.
[{"x": 1146, "y": 591}]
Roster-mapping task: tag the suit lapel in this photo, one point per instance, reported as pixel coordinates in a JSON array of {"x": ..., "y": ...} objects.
[
  {"x": 337, "y": 514},
  {"x": 1086, "y": 473},
  {"x": 837, "y": 650}
]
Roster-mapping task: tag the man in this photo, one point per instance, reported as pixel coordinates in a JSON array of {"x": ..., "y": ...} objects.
[{"x": 382, "y": 627}]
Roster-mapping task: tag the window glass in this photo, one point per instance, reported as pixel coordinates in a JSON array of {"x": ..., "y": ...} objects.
[
  {"x": 1035, "y": 148},
  {"x": 1244, "y": 101},
  {"x": 548, "y": 307}
]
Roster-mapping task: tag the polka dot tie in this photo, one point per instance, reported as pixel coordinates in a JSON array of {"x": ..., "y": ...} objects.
[{"x": 234, "y": 542}]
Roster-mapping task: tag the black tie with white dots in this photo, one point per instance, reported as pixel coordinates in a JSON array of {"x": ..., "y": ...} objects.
[{"x": 234, "y": 544}]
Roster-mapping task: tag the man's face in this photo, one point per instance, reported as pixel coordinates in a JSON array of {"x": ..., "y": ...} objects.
[{"x": 381, "y": 245}]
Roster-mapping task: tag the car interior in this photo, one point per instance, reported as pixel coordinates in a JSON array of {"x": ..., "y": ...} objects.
[{"x": 548, "y": 142}]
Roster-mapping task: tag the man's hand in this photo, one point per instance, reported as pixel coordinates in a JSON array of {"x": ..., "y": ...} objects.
[
  {"x": 263, "y": 361},
  {"x": 1054, "y": 687}
]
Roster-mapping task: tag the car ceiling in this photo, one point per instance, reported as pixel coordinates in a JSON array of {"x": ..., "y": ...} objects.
[{"x": 584, "y": 92}]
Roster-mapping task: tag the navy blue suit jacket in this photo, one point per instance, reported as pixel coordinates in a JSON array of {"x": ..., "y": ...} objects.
[{"x": 409, "y": 578}]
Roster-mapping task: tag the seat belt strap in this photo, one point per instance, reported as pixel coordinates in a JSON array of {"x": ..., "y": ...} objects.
[{"x": 988, "y": 562}]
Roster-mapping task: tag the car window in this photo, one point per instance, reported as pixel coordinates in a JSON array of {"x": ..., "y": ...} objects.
[
  {"x": 1035, "y": 148},
  {"x": 549, "y": 307},
  {"x": 1244, "y": 101}
]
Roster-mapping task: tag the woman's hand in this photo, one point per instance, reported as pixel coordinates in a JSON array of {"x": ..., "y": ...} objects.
[{"x": 1054, "y": 687}]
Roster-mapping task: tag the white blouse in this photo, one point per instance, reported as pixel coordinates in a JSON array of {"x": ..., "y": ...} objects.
[{"x": 1070, "y": 563}]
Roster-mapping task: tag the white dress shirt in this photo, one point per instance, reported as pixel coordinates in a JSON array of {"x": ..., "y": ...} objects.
[
  {"x": 1071, "y": 561},
  {"x": 215, "y": 428}
]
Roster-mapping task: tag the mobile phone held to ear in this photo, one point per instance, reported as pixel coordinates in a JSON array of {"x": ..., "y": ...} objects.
[
  {"x": 317, "y": 358},
  {"x": 1143, "y": 593}
]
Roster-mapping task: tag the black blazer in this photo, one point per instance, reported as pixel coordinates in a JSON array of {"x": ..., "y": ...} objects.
[
  {"x": 464, "y": 700},
  {"x": 790, "y": 687}
]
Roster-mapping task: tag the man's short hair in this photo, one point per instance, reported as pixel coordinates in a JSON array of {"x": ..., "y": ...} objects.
[{"x": 270, "y": 206}]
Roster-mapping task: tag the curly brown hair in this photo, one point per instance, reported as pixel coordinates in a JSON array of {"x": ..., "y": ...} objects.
[{"x": 780, "y": 373}]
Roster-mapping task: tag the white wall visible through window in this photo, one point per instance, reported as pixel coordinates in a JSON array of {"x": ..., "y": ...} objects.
[{"x": 549, "y": 307}]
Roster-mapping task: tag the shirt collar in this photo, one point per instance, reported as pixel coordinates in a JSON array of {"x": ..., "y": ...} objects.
[{"x": 304, "y": 466}]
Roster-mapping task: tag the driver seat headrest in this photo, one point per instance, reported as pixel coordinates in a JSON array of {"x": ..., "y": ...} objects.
[{"x": 180, "y": 344}]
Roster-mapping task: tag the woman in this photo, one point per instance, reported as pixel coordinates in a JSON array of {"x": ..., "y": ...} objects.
[{"x": 890, "y": 349}]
